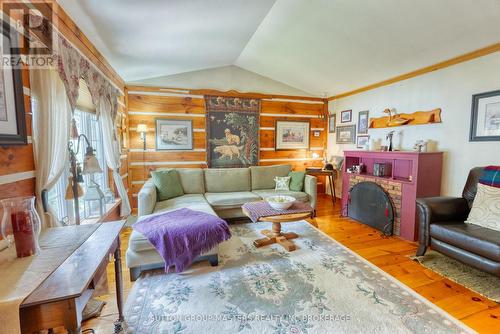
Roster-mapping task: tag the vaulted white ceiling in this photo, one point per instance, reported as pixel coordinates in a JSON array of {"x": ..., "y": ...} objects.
[{"x": 323, "y": 47}]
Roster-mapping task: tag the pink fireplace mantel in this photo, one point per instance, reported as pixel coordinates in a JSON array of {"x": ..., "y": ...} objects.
[{"x": 413, "y": 175}]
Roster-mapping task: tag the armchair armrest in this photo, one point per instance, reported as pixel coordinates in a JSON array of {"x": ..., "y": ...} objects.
[
  {"x": 439, "y": 209},
  {"x": 311, "y": 188},
  {"x": 146, "y": 199}
]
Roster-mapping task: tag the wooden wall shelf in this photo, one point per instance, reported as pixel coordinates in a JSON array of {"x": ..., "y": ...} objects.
[{"x": 416, "y": 118}]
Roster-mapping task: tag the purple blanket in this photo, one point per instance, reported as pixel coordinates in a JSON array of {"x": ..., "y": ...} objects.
[{"x": 182, "y": 235}]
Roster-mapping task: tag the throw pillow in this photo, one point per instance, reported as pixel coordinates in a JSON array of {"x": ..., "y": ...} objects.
[
  {"x": 168, "y": 184},
  {"x": 490, "y": 176},
  {"x": 485, "y": 210},
  {"x": 282, "y": 182},
  {"x": 297, "y": 180}
]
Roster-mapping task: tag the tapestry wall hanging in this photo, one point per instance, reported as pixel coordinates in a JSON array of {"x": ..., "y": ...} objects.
[{"x": 232, "y": 131}]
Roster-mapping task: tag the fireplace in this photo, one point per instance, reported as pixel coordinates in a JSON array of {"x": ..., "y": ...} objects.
[{"x": 370, "y": 204}]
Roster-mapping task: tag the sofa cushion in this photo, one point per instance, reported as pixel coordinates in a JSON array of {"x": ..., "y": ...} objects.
[
  {"x": 263, "y": 176},
  {"x": 192, "y": 181},
  {"x": 475, "y": 239},
  {"x": 138, "y": 242},
  {"x": 168, "y": 184},
  {"x": 230, "y": 200},
  {"x": 282, "y": 182},
  {"x": 485, "y": 210},
  {"x": 223, "y": 180},
  {"x": 297, "y": 180},
  {"x": 299, "y": 195}
]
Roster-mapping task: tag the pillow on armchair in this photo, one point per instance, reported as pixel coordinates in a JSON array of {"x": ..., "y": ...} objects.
[{"x": 485, "y": 210}]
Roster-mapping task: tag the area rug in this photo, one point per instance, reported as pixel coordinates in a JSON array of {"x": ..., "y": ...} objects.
[
  {"x": 322, "y": 287},
  {"x": 478, "y": 281}
]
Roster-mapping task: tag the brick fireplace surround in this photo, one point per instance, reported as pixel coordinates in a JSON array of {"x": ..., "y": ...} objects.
[{"x": 413, "y": 175}]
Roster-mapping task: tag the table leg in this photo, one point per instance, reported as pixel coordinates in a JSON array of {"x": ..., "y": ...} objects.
[
  {"x": 119, "y": 286},
  {"x": 332, "y": 188}
]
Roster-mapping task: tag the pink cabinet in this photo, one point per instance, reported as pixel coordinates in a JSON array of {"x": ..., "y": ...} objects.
[{"x": 411, "y": 175}]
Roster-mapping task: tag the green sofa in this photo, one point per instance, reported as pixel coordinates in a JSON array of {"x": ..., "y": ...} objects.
[{"x": 220, "y": 192}]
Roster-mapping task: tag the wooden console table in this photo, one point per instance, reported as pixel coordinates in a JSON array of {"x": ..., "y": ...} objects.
[{"x": 61, "y": 298}]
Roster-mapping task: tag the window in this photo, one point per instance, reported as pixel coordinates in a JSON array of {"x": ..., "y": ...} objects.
[{"x": 88, "y": 125}]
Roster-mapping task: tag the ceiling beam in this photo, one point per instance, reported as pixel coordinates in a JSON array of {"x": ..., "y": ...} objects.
[{"x": 447, "y": 63}]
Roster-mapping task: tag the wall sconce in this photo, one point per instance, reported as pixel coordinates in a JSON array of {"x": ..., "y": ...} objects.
[{"x": 142, "y": 129}]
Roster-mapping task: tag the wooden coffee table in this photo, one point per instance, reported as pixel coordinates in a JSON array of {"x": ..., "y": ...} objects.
[{"x": 275, "y": 236}]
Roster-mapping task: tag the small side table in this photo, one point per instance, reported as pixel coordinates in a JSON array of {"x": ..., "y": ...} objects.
[{"x": 331, "y": 178}]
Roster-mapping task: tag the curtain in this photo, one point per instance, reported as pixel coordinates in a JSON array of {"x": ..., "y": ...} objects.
[
  {"x": 51, "y": 133},
  {"x": 71, "y": 67},
  {"x": 112, "y": 149}
]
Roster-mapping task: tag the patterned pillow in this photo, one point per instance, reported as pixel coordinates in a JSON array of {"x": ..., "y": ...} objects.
[
  {"x": 282, "y": 182},
  {"x": 490, "y": 176},
  {"x": 485, "y": 210}
]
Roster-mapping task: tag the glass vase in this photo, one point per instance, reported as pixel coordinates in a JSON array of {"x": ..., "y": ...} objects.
[{"x": 21, "y": 225}]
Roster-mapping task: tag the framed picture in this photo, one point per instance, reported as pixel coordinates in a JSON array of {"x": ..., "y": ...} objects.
[
  {"x": 346, "y": 116},
  {"x": 332, "y": 119},
  {"x": 362, "y": 141},
  {"x": 292, "y": 135},
  {"x": 363, "y": 122},
  {"x": 346, "y": 134},
  {"x": 485, "y": 117},
  {"x": 174, "y": 134},
  {"x": 12, "y": 113}
]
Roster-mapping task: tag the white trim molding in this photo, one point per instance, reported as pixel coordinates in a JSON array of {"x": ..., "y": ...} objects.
[
  {"x": 291, "y": 159},
  {"x": 296, "y": 101},
  {"x": 167, "y": 163},
  {"x": 151, "y": 113},
  {"x": 15, "y": 177},
  {"x": 170, "y": 93},
  {"x": 174, "y": 151},
  {"x": 290, "y": 115}
]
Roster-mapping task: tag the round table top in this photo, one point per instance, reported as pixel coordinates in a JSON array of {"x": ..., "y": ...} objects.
[{"x": 285, "y": 218}]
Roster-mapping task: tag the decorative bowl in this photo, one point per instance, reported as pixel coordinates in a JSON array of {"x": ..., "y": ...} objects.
[{"x": 280, "y": 202}]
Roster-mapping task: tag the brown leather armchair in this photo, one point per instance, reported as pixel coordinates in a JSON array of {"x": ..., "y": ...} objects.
[{"x": 443, "y": 228}]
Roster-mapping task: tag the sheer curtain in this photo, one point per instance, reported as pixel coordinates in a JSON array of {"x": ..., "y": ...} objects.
[
  {"x": 112, "y": 150},
  {"x": 51, "y": 133}
]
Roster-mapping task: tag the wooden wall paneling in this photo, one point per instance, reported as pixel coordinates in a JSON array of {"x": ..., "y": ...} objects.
[
  {"x": 149, "y": 120},
  {"x": 270, "y": 121},
  {"x": 173, "y": 104},
  {"x": 137, "y": 144},
  {"x": 278, "y": 107},
  {"x": 154, "y": 103}
]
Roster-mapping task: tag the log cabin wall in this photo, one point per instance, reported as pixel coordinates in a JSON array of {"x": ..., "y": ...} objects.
[
  {"x": 17, "y": 165},
  {"x": 145, "y": 104}
]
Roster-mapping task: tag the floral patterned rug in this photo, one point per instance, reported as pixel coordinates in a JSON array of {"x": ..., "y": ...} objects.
[{"x": 322, "y": 287}]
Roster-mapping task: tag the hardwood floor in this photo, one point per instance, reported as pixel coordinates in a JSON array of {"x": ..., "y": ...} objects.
[{"x": 389, "y": 254}]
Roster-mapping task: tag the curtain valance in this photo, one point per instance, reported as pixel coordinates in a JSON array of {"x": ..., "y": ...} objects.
[{"x": 72, "y": 65}]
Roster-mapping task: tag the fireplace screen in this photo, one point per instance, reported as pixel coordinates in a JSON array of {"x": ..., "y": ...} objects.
[{"x": 369, "y": 204}]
